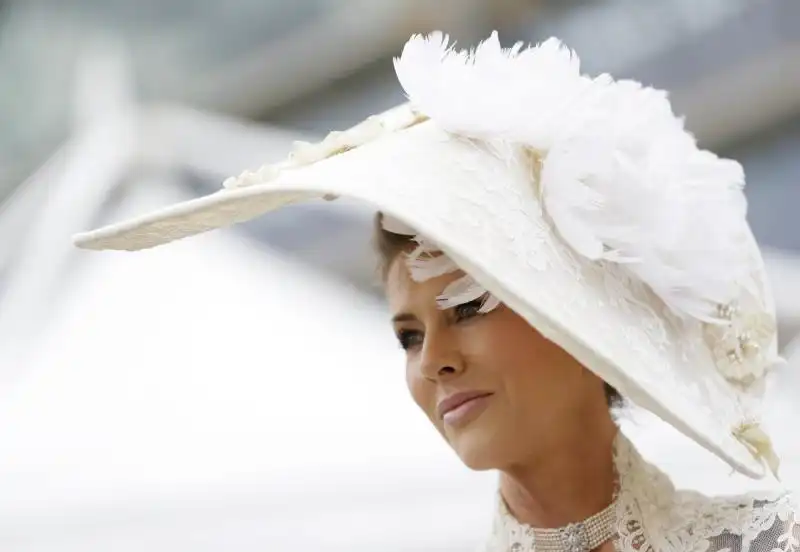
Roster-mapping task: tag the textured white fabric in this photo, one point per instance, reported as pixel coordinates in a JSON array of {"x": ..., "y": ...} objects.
[{"x": 651, "y": 515}]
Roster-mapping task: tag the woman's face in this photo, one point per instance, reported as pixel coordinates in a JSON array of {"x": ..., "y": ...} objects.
[{"x": 524, "y": 394}]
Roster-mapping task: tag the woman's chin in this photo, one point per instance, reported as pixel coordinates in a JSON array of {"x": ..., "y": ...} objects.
[{"x": 478, "y": 448}]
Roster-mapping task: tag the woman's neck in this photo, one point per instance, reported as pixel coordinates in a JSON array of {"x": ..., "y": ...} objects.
[{"x": 573, "y": 481}]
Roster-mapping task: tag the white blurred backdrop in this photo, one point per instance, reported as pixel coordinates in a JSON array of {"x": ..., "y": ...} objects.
[{"x": 242, "y": 389}]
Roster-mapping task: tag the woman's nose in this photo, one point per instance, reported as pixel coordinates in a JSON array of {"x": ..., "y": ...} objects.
[{"x": 440, "y": 360}]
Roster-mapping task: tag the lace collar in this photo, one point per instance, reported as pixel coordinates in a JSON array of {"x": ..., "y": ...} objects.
[{"x": 651, "y": 515}]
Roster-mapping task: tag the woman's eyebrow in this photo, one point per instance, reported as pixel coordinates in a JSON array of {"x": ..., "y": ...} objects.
[{"x": 404, "y": 317}]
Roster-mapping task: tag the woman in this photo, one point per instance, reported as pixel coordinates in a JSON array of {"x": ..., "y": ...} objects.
[
  {"x": 551, "y": 243},
  {"x": 504, "y": 397}
]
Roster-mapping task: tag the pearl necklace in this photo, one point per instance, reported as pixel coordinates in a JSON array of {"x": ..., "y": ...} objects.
[{"x": 582, "y": 536}]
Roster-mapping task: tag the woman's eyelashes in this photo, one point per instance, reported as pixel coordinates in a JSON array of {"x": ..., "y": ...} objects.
[{"x": 469, "y": 310}]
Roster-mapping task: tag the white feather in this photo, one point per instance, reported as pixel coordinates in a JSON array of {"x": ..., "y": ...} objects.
[
  {"x": 423, "y": 265},
  {"x": 621, "y": 179},
  {"x": 460, "y": 291},
  {"x": 426, "y": 261}
]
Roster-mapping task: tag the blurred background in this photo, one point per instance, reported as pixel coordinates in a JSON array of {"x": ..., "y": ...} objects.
[{"x": 242, "y": 390}]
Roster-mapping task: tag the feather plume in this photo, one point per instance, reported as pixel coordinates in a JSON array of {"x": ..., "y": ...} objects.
[
  {"x": 427, "y": 261},
  {"x": 621, "y": 179},
  {"x": 424, "y": 264}
]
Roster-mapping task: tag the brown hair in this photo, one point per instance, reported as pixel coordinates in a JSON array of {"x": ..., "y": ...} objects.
[{"x": 389, "y": 245}]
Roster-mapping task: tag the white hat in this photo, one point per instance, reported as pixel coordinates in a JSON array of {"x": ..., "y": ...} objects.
[{"x": 581, "y": 203}]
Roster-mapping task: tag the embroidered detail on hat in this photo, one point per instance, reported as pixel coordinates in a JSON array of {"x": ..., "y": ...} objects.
[
  {"x": 741, "y": 340},
  {"x": 740, "y": 348},
  {"x": 751, "y": 435},
  {"x": 335, "y": 143}
]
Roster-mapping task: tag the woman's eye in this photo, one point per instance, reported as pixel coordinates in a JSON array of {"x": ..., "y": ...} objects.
[
  {"x": 469, "y": 310},
  {"x": 409, "y": 338}
]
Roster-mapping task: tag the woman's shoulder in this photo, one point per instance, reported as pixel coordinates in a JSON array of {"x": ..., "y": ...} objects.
[
  {"x": 682, "y": 521},
  {"x": 757, "y": 522},
  {"x": 653, "y": 514}
]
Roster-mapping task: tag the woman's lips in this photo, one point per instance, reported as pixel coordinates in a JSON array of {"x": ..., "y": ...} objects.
[{"x": 458, "y": 409}]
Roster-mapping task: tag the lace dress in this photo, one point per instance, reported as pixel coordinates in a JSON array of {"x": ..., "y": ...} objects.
[{"x": 652, "y": 516}]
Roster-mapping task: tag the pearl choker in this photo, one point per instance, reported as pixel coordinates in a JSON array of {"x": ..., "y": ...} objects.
[{"x": 582, "y": 536}]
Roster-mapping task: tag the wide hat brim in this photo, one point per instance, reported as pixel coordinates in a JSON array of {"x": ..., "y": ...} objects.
[{"x": 484, "y": 213}]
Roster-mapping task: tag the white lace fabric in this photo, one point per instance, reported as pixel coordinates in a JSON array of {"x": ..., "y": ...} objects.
[{"x": 653, "y": 516}]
